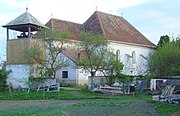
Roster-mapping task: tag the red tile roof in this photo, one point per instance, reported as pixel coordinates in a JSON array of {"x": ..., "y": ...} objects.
[
  {"x": 71, "y": 53},
  {"x": 93, "y": 24},
  {"x": 74, "y": 54},
  {"x": 115, "y": 28},
  {"x": 61, "y": 25}
]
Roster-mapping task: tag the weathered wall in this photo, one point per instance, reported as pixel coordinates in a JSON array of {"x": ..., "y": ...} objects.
[
  {"x": 19, "y": 76},
  {"x": 17, "y": 50}
]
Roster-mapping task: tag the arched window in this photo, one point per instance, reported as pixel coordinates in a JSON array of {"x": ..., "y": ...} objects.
[
  {"x": 118, "y": 55},
  {"x": 133, "y": 57},
  {"x": 79, "y": 56}
]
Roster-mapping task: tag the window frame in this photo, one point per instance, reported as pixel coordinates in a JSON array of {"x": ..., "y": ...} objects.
[{"x": 65, "y": 74}]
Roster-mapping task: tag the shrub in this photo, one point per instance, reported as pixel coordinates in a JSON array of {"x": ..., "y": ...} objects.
[
  {"x": 165, "y": 60},
  {"x": 3, "y": 77}
]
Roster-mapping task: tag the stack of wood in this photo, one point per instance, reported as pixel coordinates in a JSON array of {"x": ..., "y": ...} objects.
[
  {"x": 108, "y": 90},
  {"x": 171, "y": 94}
]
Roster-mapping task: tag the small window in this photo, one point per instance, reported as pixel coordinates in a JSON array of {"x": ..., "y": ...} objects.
[
  {"x": 118, "y": 55},
  {"x": 64, "y": 74},
  {"x": 133, "y": 57}
]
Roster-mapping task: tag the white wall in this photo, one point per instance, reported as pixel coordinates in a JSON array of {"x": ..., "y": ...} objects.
[
  {"x": 130, "y": 68},
  {"x": 71, "y": 68},
  {"x": 19, "y": 76},
  {"x": 84, "y": 75},
  {"x": 71, "y": 73}
]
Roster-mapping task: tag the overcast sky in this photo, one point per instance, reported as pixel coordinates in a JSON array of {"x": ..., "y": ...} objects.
[{"x": 153, "y": 18}]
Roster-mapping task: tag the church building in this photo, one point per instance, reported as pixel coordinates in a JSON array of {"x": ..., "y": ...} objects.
[{"x": 129, "y": 45}]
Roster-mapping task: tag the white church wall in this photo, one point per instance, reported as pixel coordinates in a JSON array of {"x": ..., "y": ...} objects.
[
  {"x": 19, "y": 76},
  {"x": 139, "y": 66}
]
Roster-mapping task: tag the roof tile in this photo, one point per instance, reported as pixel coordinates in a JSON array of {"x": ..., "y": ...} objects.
[
  {"x": 115, "y": 28},
  {"x": 73, "y": 28}
]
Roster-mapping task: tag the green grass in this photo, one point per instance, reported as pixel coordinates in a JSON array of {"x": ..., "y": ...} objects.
[
  {"x": 113, "y": 102},
  {"x": 165, "y": 109},
  {"x": 34, "y": 110},
  {"x": 62, "y": 95},
  {"x": 103, "y": 104}
]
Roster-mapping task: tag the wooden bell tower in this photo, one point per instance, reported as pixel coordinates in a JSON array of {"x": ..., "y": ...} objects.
[
  {"x": 20, "y": 64},
  {"x": 26, "y": 24}
]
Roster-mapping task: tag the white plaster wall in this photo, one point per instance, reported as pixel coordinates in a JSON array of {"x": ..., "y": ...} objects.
[
  {"x": 71, "y": 73},
  {"x": 19, "y": 76},
  {"x": 84, "y": 75},
  {"x": 138, "y": 67},
  {"x": 70, "y": 66},
  {"x": 75, "y": 74}
]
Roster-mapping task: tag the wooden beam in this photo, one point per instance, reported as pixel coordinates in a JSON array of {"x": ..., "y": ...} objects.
[
  {"x": 7, "y": 34},
  {"x": 29, "y": 32}
]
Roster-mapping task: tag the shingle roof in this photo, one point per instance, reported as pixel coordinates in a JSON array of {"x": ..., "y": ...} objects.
[
  {"x": 93, "y": 24},
  {"x": 73, "y": 54},
  {"x": 24, "y": 20},
  {"x": 117, "y": 29},
  {"x": 73, "y": 28}
]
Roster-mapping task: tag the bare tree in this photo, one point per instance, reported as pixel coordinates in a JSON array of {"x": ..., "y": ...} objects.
[{"x": 46, "y": 52}]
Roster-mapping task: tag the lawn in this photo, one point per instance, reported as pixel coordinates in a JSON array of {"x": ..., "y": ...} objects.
[{"x": 75, "y": 102}]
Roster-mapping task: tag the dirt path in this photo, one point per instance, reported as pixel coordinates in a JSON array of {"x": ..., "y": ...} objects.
[{"x": 77, "y": 107}]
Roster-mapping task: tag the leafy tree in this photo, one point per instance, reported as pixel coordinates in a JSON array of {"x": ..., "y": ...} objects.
[
  {"x": 163, "y": 40},
  {"x": 115, "y": 71},
  {"x": 97, "y": 57},
  {"x": 46, "y": 52},
  {"x": 165, "y": 60},
  {"x": 178, "y": 40}
]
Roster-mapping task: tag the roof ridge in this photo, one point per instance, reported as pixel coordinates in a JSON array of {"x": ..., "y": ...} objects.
[
  {"x": 28, "y": 15},
  {"x": 121, "y": 25},
  {"x": 65, "y": 21},
  {"x": 102, "y": 28},
  {"x": 114, "y": 27},
  {"x": 24, "y": 19},
  {"x": 51, "y": 23},
  {"x": 111, "y": 14}
]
